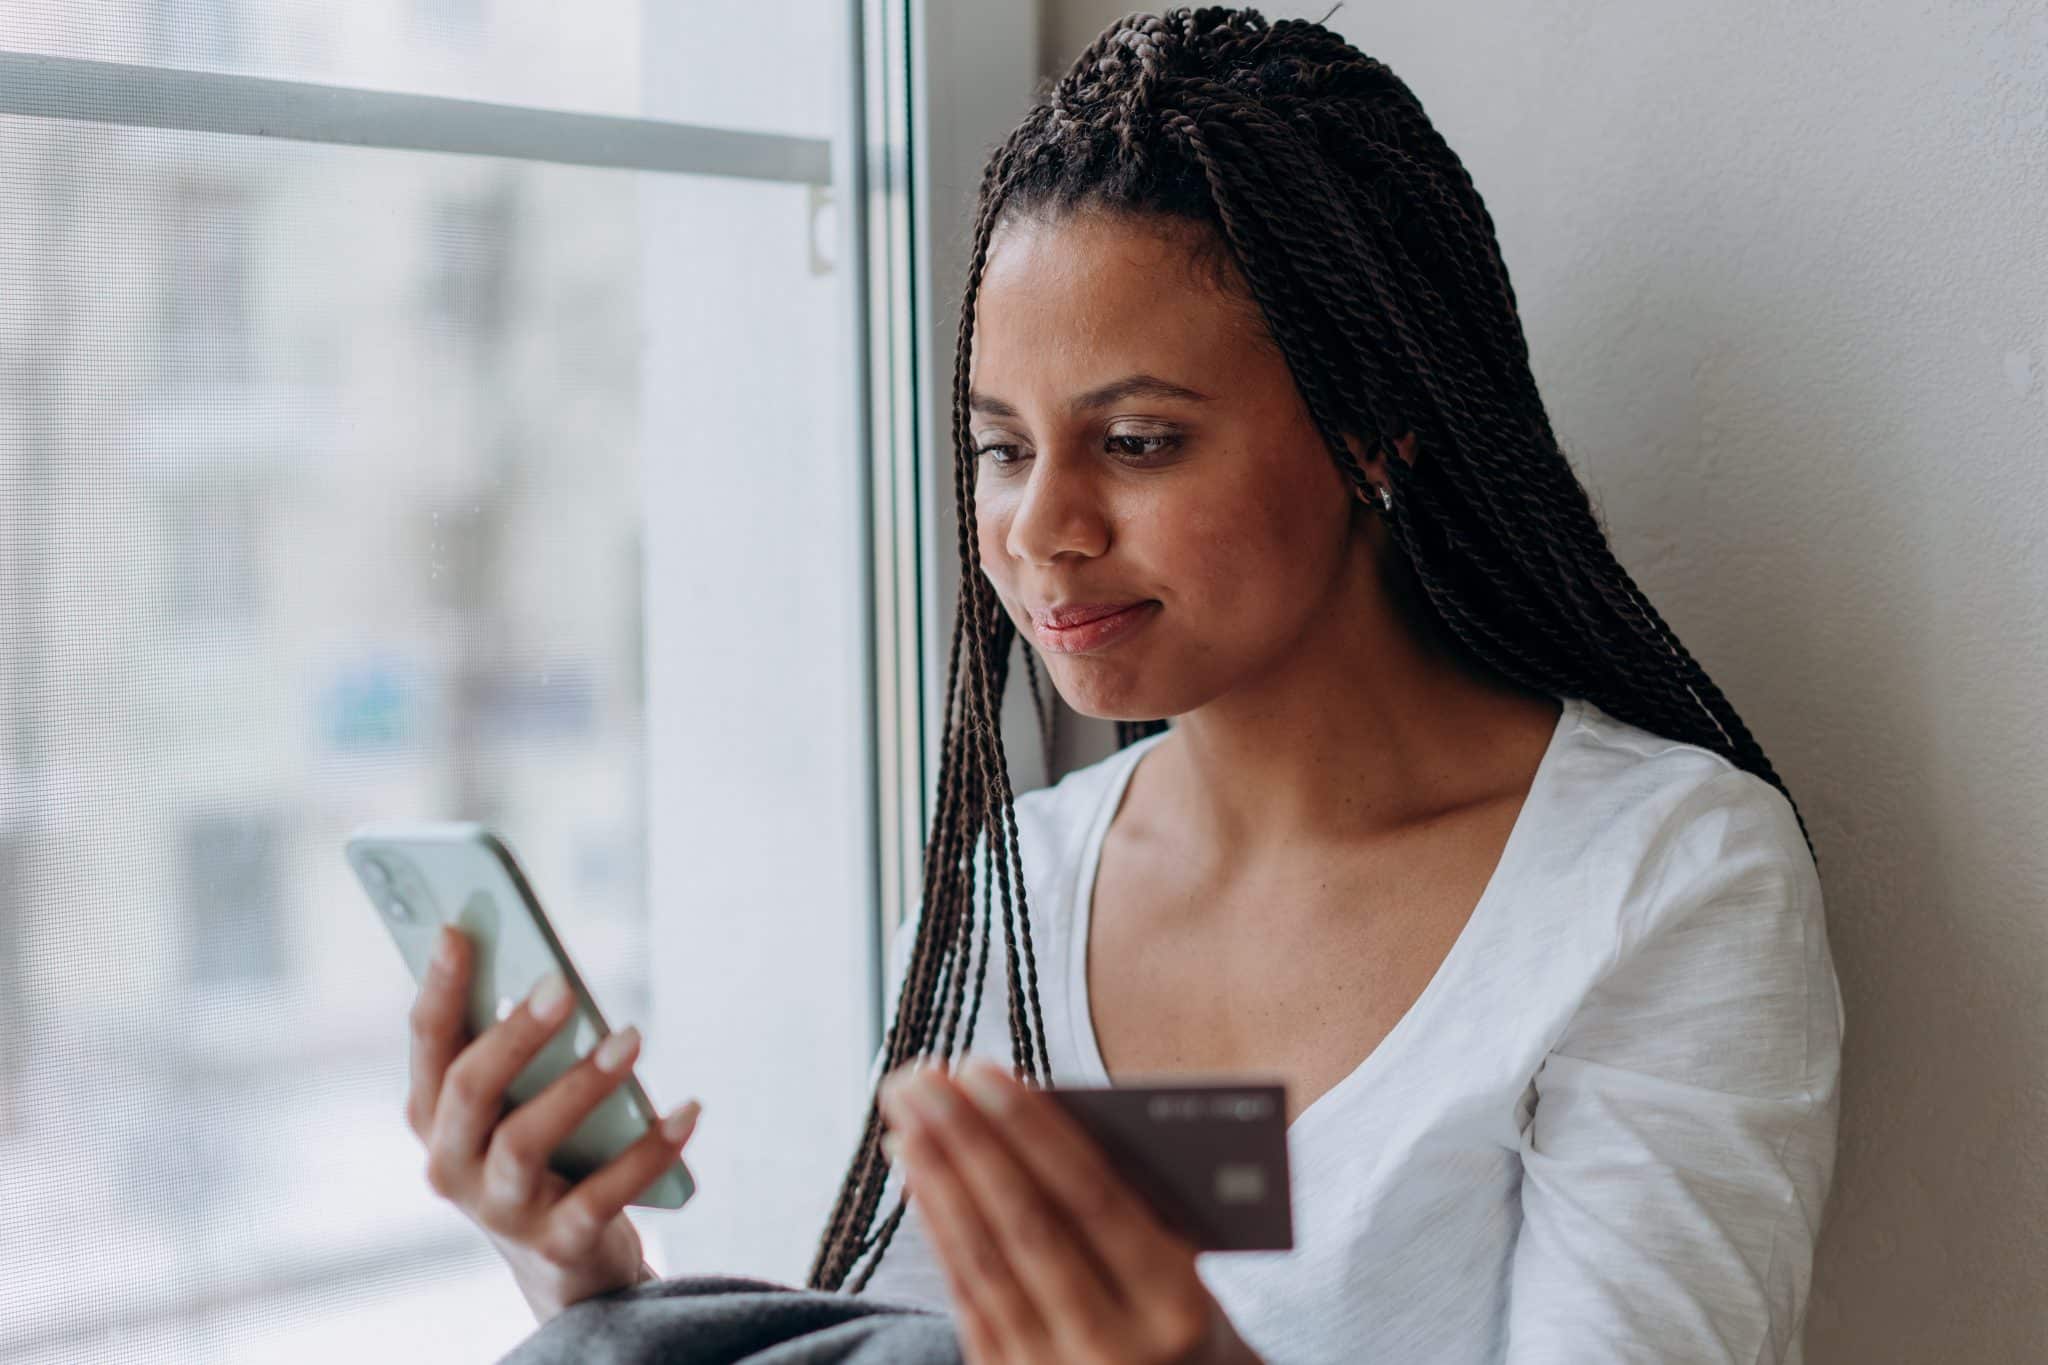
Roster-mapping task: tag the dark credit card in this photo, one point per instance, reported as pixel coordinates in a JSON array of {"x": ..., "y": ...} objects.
[{"x": 1211, "y": 1159}]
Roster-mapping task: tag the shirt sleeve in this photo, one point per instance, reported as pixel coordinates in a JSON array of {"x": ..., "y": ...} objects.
[{"x": 1682, "y": 1142}]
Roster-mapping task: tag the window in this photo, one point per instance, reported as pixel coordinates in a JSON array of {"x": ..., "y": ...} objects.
[
  {"x": 193, "y": 32},
  {"x": 469, "y": 247},
  {"x": 212, "y": 552},
  {"x": 233, "y": 899},
  {"x": 481, "y": 434},
  {"x": 14, "y": 976},
  {"x": 203, "y": 333}
]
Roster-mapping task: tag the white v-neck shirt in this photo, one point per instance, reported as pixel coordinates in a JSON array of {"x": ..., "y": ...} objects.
[{"x": 1605, "y": 1131}]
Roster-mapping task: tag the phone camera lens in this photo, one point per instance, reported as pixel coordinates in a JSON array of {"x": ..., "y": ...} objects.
[
  {"x": 396, "y": 888},
  {"x": 386, "y": 890}
]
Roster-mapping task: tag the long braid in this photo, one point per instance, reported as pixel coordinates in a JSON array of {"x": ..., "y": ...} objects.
[
  {"x": 1360, "y": 239},
  {"x": 1047, "y": 711},
  {"x": 972, "y": 775}
]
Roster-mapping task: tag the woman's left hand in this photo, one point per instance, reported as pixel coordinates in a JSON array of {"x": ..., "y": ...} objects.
[{"x": 1050, "y": 1256}]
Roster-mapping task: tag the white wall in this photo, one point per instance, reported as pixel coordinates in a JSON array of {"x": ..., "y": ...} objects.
[
  {"x": 760, "y": 841},
  {"x": 978, "y": 63},
  {"x": 759, "y": 943},
  {"x": 1784, "y": 273}
]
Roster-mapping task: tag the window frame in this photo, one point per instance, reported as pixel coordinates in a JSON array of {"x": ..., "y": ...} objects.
[{"x": 879, "y": 228}]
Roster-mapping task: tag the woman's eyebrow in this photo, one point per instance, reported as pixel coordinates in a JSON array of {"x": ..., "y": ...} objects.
[{"x": 1130, "y": 386}]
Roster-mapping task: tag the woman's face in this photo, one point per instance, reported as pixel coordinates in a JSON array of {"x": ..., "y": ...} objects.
[{"x": 1214, "y": 516}]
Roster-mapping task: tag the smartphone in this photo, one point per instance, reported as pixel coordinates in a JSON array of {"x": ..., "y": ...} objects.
[
  {"x": 420, "y": 875},
  {"x": 1210, "y": 1157}
]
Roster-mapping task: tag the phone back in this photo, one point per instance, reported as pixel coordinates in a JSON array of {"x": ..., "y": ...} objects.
[{"x": 421, "y": 875}]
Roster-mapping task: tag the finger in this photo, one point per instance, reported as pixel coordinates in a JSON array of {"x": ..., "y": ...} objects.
[
  {"x": 522, "y": 1141},
  {"x": 436, "y": 1023},
  {"x": 579, "y": 1217},
  {"x": 988, "y": 1302},
  {"x": 977, "y": 1268},
  {"x": 980, "y": 1342},
  {"x": 473, "y": 1091},
  {"x": 1048, "y": 1248},
  {"x": 1145, "y": 1261}
]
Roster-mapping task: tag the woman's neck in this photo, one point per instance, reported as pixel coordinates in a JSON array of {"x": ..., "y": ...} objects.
[{"x": 1369, "y": 725}]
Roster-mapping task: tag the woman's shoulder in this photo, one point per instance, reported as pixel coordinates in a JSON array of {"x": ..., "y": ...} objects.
[
  {"x": 1665, "y": 833},
  {"x": 1700, "y": 915},
  {"x": 1620, "y": 784}
]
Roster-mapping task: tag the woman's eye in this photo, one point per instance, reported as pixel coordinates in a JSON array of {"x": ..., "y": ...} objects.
[
  {"x": 1135, "y": 448},
  {"x": 1141, "y": 446}
]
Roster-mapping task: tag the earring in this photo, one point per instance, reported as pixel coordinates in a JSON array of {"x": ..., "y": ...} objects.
[{"x": 1386, "y": 496}]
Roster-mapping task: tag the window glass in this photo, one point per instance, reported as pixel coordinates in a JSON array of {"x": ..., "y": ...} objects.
[{"x": 328, "y": 481}]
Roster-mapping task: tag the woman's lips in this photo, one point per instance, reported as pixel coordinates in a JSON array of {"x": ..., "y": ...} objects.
[{"x": 1090, "y": 627}]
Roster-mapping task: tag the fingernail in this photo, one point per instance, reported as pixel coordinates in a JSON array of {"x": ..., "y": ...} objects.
[
  {"x": 928, "y": 1094},
  {"x": 892, "y": 1145},
  {"x": 616, "y": 1050},
  {"x": 550, "y": 999},
  {"x": 896, "y": 1088},
  {"x": 978, "y": 1080},
  {"x": 444, "y": 949},
  {"x": 678, "y": 1123}
]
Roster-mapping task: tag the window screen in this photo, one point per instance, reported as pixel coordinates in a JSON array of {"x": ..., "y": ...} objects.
[{"x": 330, "y": 469}]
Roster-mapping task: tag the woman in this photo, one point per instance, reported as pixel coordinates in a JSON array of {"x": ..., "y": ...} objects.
[{"x": 1449, "y": 832}]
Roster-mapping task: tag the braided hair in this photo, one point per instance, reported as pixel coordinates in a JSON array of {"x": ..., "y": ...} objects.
[{"x": 1374, "y": 266}]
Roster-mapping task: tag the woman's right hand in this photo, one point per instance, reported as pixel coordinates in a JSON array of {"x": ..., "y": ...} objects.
[{"x": 564, "y": 1242}]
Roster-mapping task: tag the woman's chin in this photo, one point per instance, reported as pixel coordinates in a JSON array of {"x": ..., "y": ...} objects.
[
  {"x": 1125, "y": 684},
  {"x": 1102, "y": 703}
]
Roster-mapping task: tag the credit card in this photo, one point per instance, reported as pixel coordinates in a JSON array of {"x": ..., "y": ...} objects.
[{"x": 1210, "y": 1158}]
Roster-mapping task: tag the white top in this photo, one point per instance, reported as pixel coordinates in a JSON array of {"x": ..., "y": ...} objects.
[{"x": 1604, "y": 1132}]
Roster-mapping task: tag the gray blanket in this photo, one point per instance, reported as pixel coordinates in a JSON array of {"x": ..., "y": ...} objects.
[{"x": 729, "y": 1319}]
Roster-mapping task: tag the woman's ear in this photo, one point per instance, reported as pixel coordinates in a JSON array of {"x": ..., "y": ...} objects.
[
  {"x": 1406, "y": 445},
  {"x": 1373, "y": 462}
]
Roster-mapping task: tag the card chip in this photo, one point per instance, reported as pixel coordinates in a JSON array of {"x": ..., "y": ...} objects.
[{"x": 1240, "y": 1184}]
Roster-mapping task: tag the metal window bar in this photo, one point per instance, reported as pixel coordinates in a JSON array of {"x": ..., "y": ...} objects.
[
  {"x": 885, "y": 256},
  {"x": 254, "y": 106}
]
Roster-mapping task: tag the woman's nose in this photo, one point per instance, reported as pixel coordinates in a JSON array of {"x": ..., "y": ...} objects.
[{"x": 1060, "y": 513}]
